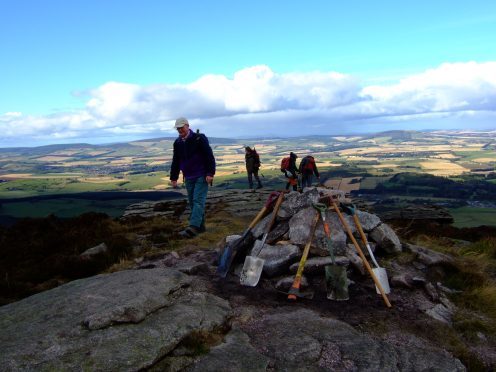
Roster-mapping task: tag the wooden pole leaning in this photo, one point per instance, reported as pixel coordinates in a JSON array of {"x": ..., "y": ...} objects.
[
  {"x": 295, "y": 288},
  {"x": 362, "y": 256}
]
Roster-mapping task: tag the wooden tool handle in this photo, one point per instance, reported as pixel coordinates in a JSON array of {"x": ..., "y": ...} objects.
[
  {"x": 280, "y": 199},
  {"x": 362, "y": 256},
  {"x": 257, "y": 218},
  {"x": 303, "y": 260}
]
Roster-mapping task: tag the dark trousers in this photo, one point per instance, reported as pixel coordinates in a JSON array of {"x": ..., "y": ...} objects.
[
  {"x": 250, "y": 178},
  {"x": 306, "y": 180}
]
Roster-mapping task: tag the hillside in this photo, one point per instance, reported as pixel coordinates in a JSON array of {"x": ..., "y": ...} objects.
[{"x": 442, "y": 286}]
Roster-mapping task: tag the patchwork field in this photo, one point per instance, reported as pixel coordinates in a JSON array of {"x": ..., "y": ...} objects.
[
  {"x": 351, "y": 163},
  {"x": 76, "y": 168}
]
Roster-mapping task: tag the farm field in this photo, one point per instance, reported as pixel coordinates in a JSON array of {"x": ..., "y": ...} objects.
[{"x": 351, "y": 163}]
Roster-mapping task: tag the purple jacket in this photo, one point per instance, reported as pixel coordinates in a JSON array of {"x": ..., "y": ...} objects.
[{"x": 193, "y": 156}]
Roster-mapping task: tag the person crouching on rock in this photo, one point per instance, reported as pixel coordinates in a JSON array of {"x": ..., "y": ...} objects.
[
  {"x": 252, "y": 160},
  {"x": 288, "y": 167},
  {"x": 194, "y": 157}
]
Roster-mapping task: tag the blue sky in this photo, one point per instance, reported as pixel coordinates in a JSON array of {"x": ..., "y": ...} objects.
[{"x": 102, "y": 71}]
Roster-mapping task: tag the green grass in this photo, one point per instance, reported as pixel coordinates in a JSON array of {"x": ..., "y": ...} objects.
[
  {"x": 473, "y": 217},
  {"x": 471, "y": 155},
  {"x": 65, "y": 208},
  {"x": 45, "y": 186},
  {"x": 372, "y": 182}
]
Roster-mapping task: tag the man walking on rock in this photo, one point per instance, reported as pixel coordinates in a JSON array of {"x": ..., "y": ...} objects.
[
  {"x": 252, "y": 160},
  {"x": 194, "y": 157}
]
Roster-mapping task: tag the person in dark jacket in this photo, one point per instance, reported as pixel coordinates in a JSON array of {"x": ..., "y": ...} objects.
[
  {"x": 291, "y": 172},
  {"x": 194, "y": 157},
  {"x": 307, "y": 169},
  {"x": 252, "y": 161}
]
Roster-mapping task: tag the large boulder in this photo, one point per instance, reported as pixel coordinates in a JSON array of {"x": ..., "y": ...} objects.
[
  {"x": 428, "y": 256},
  {"x": 119, "y": 321},
  {"x": 300, "y": 226},
  {"x": 295, "y": 202},
  {"x": 368, "y": 221},
  {"x": 386, "y": 238},
  {"x": 278, "y": 258},
  {"x": 94, "y": 251}
]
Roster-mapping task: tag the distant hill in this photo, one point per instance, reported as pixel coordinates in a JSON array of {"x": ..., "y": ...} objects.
[{"x": 395, "y": 135}]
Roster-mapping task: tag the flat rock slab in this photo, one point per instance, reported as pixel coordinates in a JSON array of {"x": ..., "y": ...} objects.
[
  {"x": 120, "y": 321},
  {"x": 316, "y": 265},
  {"x": 234, "y": 354},
  {"x": 428, "y": 256},
  {"x": 302, "y": 340}
]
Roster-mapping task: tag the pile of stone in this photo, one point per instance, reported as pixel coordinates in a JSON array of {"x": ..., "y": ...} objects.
[{"x": 289, "y": 234}]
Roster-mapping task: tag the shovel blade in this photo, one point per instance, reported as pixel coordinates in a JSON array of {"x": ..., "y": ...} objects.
[
  {"x": 251, "y": 272},
  {"x": 337, "y": 283},
  {"x": 225, "y": 261},
  {"x": 381, "y": 275}
]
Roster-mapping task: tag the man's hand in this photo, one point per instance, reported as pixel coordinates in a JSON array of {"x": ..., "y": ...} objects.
[
  {"x": 174, "y": 184},
  {"x": 209, "y": 179}
]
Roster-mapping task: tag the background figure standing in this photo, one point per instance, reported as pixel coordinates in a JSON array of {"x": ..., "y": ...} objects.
[
  {"x": 194, "y": 157},
  {"x": 252, "y": 161},
  {"x": 288, "y": 166},
  {"x": 307, "y": 169}
]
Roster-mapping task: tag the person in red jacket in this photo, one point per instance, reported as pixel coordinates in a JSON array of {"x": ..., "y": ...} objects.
[{"x": 307, "y": 169}]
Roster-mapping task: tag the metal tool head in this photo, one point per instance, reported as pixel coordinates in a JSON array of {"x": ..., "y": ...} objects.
[
  {"x": 295, "y": 293},
  {"x": 337, "y": 283},
  {"x": 382, "y": 277},
  {"x": 252, "y": 271}
]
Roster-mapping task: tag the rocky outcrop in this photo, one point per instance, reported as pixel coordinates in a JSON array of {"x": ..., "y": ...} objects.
[
  {"x": 94, "y": 251},
  {"x": 161, "y": 319},
  {"x": 124, "y": 321},
  {"x": 239, "y": 202},
  {"x": 428, "y": 256},
  {"x": 303, "y": 340},
  {"x": 420, "y": 213},
  {"x": 173, "y": 313},
  {"x": 386, "y": 239}
]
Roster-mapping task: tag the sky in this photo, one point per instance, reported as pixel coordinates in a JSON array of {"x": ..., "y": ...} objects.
[{"x": 118, "y": 70}]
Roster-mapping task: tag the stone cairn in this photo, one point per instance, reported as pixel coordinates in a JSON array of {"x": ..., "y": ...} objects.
[{"x": 289, "y": 234}]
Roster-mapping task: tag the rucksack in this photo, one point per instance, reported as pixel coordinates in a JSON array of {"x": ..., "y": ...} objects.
[
  {"x": 256, "y": 157},
  {"x": 307, "y": 163},
  {"x": 285, "y": 164}
]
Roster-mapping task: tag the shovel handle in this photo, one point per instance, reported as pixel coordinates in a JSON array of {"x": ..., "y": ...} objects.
[
  {"x": 359, "y": 250},
  {"x": 297, "y": 280},
  {"x": 322, "y": 208},
  {"x": 257, "y": 218},
  {"x": 280, "y": 198},
  {"x": 364, "y": 239}
]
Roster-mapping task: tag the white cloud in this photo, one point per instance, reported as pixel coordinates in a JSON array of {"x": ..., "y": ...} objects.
[{"x": 257, "y": 100}]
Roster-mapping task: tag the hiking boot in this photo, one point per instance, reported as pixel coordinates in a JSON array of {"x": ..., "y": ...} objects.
[{"x": 190, "y": 232}]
